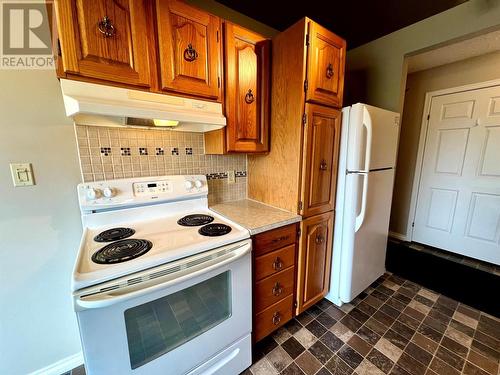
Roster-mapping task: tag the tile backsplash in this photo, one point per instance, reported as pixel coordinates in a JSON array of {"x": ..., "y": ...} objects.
[{"x": 108, "y": 153}]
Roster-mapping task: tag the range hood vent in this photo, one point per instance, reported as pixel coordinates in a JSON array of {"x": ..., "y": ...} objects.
[{"x": 93, "y": 104}]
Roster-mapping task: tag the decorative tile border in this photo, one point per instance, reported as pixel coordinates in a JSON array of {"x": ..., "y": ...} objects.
[{"x": 109, "y": 153}]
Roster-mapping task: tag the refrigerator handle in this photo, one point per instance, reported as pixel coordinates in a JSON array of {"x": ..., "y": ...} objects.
[
  {"x": 361, "y": 217},
  {"x": 367, "y": 123}
]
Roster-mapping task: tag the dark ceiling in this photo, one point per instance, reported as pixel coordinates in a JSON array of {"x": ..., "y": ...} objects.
[{"x": 358, "y": 21}]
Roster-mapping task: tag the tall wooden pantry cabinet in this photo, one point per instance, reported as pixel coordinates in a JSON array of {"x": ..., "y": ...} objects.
[{"x": 300, "y": 171}]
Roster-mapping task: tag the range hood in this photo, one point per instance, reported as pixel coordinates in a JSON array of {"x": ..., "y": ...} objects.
[{"x": 94, "y": 104}]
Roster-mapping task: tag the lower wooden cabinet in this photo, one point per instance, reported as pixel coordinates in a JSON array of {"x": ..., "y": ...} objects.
[
  {"x": 275, "y": 264},
  {"x": 273, "y": 288},
  {"x": 315, "y": 258},
  {"x": 270, "y": 319}
]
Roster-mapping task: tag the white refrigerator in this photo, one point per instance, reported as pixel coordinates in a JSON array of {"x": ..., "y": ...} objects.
[{"x": 368, "y": 149}]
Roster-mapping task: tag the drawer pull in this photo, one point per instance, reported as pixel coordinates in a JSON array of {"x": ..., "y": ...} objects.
[
  {"x": 282, "y": 238},
  {"x": 276, "y": 318},
  {"x": 277, "y": 264},
  {"x": 277, "y": 289}
]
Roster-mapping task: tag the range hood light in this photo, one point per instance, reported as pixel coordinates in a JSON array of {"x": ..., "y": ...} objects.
[{"x": 159, "y": 122}]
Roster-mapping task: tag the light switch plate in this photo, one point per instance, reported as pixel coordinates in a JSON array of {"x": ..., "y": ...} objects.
[
  {"x": 22, "y": 174},
  {"x": 231, "y": 177}
]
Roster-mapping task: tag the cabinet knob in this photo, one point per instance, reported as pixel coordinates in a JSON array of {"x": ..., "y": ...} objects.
[
  {"x": 106, "y": 27},
  {"x": 320, "y": 239},
  {"x": 190, "y": 53},
  {"x": 249, "y": 97},
  {"x": 277, "y": 264},
  {"x": 276, "y": 318},
  {"x": 329, "y": 71},
  {"x": 277, "y": 289},
  {"x": 323, "y": 166}
]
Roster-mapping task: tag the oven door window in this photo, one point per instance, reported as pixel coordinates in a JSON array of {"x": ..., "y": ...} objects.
[{"x": 159, "y": 326}]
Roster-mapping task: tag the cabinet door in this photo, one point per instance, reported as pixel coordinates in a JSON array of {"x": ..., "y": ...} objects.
[
  {"x": 247, "y": 69},
  {"x": 190, "y": 49},
  {"x": 326, "y": 63},
  {"x": 105, "y": 39},
  {"x": 320, "y": 159},
  {"x": 315, "y": 256}
]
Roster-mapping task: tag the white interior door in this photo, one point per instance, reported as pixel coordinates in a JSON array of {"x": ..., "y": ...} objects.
[{"x": 458, "y": 205}]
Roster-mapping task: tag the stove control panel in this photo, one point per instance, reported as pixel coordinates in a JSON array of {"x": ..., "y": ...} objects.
[
  {"x": 152, "y": 188},
  {"x": 131, "y": 192}
]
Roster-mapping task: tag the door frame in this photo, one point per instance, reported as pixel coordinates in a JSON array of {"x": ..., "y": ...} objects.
[{"x": 422, "y": 143}]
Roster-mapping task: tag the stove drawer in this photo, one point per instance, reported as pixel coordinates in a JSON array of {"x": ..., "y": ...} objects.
[
  {"x": 274, "y": 239},
  {"x": 272, "y": 318},
  {"x": 273, "y": 288},
  {"x": 273, "y": 262}
]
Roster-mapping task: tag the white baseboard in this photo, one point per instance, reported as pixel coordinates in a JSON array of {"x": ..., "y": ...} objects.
[
  {"x": 398, "y": 236},
  {"x": 61, "y": 366}
]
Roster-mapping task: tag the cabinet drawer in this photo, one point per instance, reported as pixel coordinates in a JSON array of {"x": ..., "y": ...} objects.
[
  {"x": 273, "y": 288},
  {"x": 274, "y": 262},
  {"x": 274, "y": 239},
  {"x": 272, "y": 318}
]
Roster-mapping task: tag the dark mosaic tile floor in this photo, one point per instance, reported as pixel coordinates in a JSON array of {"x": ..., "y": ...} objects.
[
  {"x": 457, "y": 258},
  {"x": 394, "y": 327}
]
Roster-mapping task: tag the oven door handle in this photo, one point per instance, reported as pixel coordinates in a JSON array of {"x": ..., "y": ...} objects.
[{"x": 112, "y": 297}]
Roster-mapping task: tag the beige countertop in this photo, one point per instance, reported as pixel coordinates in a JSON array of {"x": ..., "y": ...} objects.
[{"x": 255, "y": 216}]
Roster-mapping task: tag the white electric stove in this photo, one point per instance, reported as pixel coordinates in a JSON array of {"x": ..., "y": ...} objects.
[{"x": 161, "y": 284}]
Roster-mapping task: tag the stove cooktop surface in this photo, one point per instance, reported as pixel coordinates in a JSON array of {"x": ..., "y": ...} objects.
[{"x": 149, "y": 243}]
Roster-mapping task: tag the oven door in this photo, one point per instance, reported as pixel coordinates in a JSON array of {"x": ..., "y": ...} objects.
[{"x": 173, "y": 319}]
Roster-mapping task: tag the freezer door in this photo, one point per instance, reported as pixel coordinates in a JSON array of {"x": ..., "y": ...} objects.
[
  {"x": 373, "y": 138},
  {"x": 366, "y": 223}
]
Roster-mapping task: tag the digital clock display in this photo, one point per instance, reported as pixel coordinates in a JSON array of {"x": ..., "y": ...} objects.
[{"x": 152, "y": 185}]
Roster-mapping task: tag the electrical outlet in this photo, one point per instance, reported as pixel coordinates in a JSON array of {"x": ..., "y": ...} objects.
[{"x": 231, "y": 177}]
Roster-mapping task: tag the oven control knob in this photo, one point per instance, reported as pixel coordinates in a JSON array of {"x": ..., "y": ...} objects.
[
  {"x": 198, "y": 183},
  {"x": 92, "y": 193},
  {"x": 109, "y": 192},
  {"x": 188, "y": 184}
]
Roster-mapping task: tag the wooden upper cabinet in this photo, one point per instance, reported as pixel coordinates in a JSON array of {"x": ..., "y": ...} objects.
[
  {"x": 247, "y": 77},
  {"x": 189, "y": 49},
  {"x": 315, "y": 256},
  {"x": 106, "y": 40},
  {"x": 320, "y": 163},
  {"x": 325, "y": 71}
]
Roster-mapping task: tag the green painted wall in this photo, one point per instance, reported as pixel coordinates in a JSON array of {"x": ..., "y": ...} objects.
[
  {"x": 223, "y": 11},
  {"x": 377, "y": 68}
]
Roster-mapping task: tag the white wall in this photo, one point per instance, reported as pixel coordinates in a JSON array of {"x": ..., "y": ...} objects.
[{"x": 39, "y": 226}]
